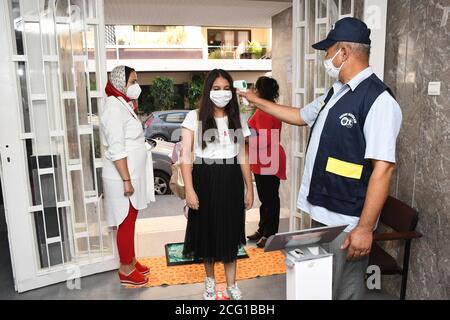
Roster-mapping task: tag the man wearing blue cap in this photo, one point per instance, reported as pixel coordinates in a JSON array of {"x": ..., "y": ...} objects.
[{"x": 350, "y": 157}]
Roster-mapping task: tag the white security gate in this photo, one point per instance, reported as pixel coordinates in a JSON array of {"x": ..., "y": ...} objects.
[
  {"x": 49, "y": 137},
  {"x": 312, "y": 20}
]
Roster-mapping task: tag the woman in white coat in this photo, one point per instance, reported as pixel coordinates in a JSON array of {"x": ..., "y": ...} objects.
[{"x": 125, "y": 169}]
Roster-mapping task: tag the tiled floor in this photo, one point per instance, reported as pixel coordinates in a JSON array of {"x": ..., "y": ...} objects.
[{"x": 106, "y": 286}]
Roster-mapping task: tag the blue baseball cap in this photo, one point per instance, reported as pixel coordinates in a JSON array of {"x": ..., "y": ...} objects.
[{"x": 346, "y": 30}]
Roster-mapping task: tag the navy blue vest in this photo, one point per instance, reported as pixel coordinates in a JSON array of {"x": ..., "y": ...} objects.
[{"x": 341, "y": 174}]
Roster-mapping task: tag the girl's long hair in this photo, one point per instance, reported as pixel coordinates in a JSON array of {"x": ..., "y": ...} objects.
[{"x": 206, "y": 110}]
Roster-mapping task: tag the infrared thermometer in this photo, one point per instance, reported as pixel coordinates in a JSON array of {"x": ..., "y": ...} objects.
[{"x": 242, "y": 85}]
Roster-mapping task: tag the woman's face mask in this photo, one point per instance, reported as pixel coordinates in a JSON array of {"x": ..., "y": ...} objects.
[
  {"x": 221, "y": 98},
  {"x": 332, "y": 71},
  {"x": 134, "y": 91}
]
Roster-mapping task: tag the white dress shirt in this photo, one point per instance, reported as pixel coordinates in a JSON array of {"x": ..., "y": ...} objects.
[{"x": 123, "y": 137}]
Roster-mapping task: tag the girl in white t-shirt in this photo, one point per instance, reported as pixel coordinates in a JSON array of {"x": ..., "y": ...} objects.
[{"x": 214, "y": 136}]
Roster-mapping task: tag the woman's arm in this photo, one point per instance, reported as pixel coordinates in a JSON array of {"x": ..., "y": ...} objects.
[
  {"x": 187, "y": 144},
  {"x": 122, "y": 167},
  {"x": 247, "y": 174},
  {"x": 113, "y": 129}
]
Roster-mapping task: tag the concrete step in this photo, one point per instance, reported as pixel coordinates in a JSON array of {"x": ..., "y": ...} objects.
[{"x": 152, "y": 234}]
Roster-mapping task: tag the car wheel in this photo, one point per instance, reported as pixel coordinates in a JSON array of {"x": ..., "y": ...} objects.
[
  {"x": 160, "y": 138},
  {"x": 161, "y": 183}
]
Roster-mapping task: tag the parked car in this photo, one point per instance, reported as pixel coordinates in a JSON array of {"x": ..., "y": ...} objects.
[
  {"x": 162, "y": 170},
  {"x": 160, "y": 125}
]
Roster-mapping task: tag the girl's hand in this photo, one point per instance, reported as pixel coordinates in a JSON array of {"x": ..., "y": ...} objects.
[
  {"x": 192, "y": 200},
  {"x": 128, "y": 189},
  {"x": 248, "y": 199}
]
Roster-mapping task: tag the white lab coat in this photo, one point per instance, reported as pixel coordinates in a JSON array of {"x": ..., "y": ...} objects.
[{"x": 123, "y": 137}]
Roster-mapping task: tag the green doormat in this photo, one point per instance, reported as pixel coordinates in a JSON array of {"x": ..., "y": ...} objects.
[{"x": 174, "y": 255}]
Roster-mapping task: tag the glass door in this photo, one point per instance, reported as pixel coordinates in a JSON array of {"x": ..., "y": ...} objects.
[{"x": 50, "y": 140}]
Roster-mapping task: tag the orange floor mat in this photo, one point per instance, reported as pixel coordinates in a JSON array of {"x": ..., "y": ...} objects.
[{"x": 259, "y": 264}]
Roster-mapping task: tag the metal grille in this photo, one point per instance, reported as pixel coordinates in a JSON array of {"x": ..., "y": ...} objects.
[{"x": 54, "y": 42}]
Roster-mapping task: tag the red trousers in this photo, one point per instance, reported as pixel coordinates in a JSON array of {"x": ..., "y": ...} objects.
[{"x": 125, "y": 236}]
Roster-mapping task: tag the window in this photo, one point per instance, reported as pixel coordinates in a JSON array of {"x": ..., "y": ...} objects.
[
  {"x": 175, "y": 117},
  {"x": 149, "y": 28},
  {"x": 230, "y": 38}
]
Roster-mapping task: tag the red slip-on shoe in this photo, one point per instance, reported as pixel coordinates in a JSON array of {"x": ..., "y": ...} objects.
[
  {"x": 141, "y": 268},
  {"x": 135, "y": 278}
]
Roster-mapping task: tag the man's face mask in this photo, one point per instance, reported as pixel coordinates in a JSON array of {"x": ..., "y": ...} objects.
[
  {"x": 332, "y": 71},
  {"x": 221, "y": 98}
]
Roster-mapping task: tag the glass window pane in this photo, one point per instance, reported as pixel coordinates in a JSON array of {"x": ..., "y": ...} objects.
[
  {"x": 51, "y": 222},
  {"x": 301, "y": 10},
  {"x": 72, "y": 128},
  {"x": 311, "y": 27},
  {"x": 82, "y": 246},
  {"x": 48, "y": 191},
  {"x": 320, "y": 68},
  {"x": 91, "y": 42},
  {"x": 48, "y": 28},
  {"x": 333, "y": 11},
  {"x": 91, "y": 9},
  {"x": 30, "y": 8},
  {"x": 34, "y": 55},
  {"x": 82, "y": 95},
  {"x": 33, "y": 174},
  {"x": 60, "y": 169},
  {"x": 53, "y": 96},
  {"x": 301, "y": 63},
  {"x": 54, "y": 250},
  {"x": 358, "y": 9},
  {"x": 41, "y": 241},
  {"x": 77, "y": 26},
  {"x": 87, "y": 162},
  {"x": 23, "y": 96},
  {"x": 93, "y": 227},
  {"x": 322, "y": 10},
  {"x": 94, "y": 111},
  {"x": 62, "y": 8},
  {"x": 107, "y": 242},
  {"x": 17, "y": 27},
  {"x": 310, "y": 80},
  {"x": 41, "y": 127},
  {"x": 65, "y": 56},
  {"x": 346, "y": 7},
  {"x": 78, "y": 200},
  {"x": 64, "y": 220},
  {"x": 97, "y": 143},
  {"x": 99, "y": 181}
]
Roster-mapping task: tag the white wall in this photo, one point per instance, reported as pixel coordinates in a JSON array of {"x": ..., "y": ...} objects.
[{"x": 375, "y": 12}]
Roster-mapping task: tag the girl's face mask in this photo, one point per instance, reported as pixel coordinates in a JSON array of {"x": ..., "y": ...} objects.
[{"x": 221, "y": 98}]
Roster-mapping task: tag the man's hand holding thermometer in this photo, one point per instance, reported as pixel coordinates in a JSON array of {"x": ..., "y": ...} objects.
[
  {"x": 248, "y": 96},
  {"x": 285, "y": 114},
  {"x": 241, "y": 86}
]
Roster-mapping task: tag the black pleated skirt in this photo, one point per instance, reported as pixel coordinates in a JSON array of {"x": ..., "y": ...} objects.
[{"x": 216, "y": 231}]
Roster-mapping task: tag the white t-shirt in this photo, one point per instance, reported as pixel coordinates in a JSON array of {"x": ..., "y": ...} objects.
[{"x": 225, "y": 148}]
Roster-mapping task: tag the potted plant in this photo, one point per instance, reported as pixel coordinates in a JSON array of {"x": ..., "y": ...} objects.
[{"x": 255, "y": 49}]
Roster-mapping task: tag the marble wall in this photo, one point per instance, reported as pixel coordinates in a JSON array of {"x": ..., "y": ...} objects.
[
  {"x": 417, "y": 52},
  {"x": 282, "y": 72}
]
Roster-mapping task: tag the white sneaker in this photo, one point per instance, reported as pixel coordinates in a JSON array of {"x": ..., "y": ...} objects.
[
  {"x": 233, "y": 293},
  {"x": 210, "y": 289}
]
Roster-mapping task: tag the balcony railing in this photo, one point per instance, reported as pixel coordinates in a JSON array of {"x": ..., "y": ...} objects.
[{"x": 127, "y": 52}]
